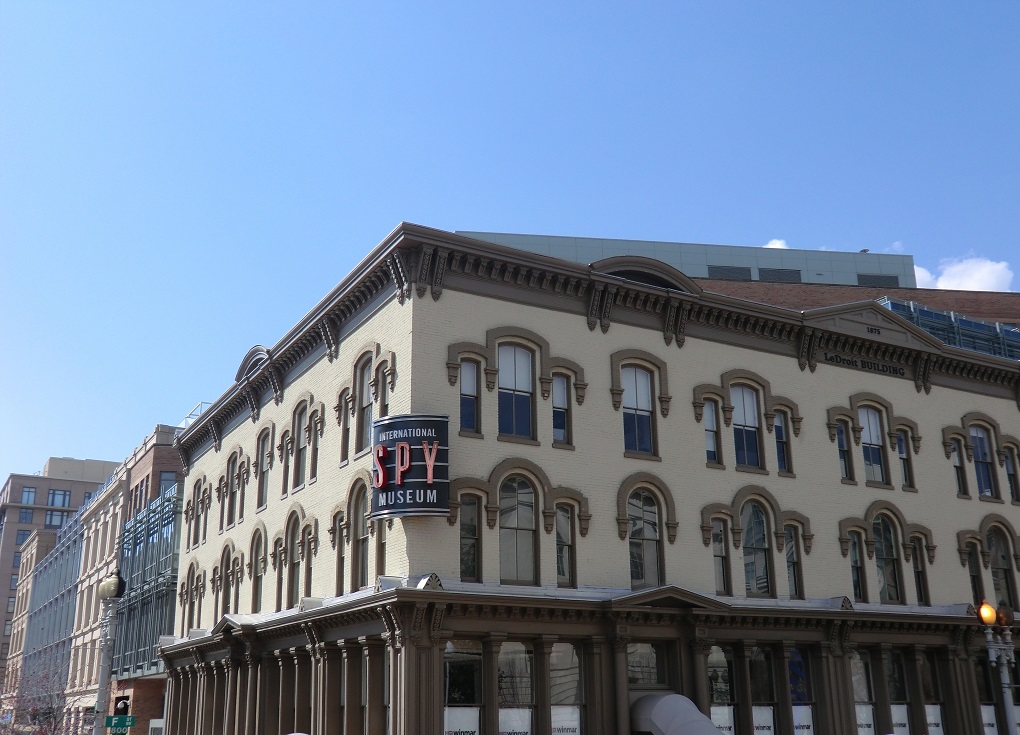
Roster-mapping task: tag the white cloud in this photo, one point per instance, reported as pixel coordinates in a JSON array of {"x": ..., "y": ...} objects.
[
  {"x": 777, "y": 245},
  {"x": 967, "y": 274},
  {"x": 896, "y": 247}
]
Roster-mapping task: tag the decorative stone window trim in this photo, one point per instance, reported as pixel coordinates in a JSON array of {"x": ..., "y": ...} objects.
[
  {"x": 907, "y": 531},
  {"x": 780, "y": 518},
  {"x": 258, "y": 532},
  {"x": 648, "y": 481},
  {"x": 893, "y": 423},
  {"x": 721, "y": 394},
  {"x": 644, "y": 359},
  {"x": 980, "y": 537},
  {"x": 487, "y": 355}
]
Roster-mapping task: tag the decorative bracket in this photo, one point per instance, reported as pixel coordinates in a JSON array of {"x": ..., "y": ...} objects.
[{"x": 423, "y": 270}]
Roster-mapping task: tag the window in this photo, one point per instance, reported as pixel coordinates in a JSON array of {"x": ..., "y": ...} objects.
[
  {"x": 28, "y": 495},
  {"x": 722, "y": 685},
  {"x": 363, "y": 436},
  {"x": 561, "y": 409},
  {"x": 757, "y": 580},
  {"x": 721, "y": 558},
  {"x": 983, "y": 467},
  {"x": 920, "y": 573},
  {"x": 745, "y": 425},
  {"x": 11, "y": 602},
  {"x": 380, "y": 547},
  {"x": 286, "y": 445},
  {"x": 517, "y": 562},
  {"x": 56, "y": 518},
  {"x": 647, "y": 665},
  {"x": 338, "y": 534},
  {"x": 264, "y": 454},
  {"x": 226, "y": 582},
  {"x": 903, "y": 450},
  {"x": 801, "y": 692},
  {"x": 360, "y": 561},
  {"x": 637, "y": 409},
  {"x": 59, "y": 498},
  {"x": 301, "y": 433},
  {"x": 462, "y": 685},
  {"x": 470, "y": 541},
  {"x": 384, "y": 392},
  {"x": 782, "y": 443},
  {"x": 14, "y": 581},
  {"x": 857, "y": 577},
  {"x": 167, "y": 482},
  {"x": 977, "y": 586},
  {"x": 566, "y": 687},
  {"x": 470, "y": 404},
  {"x": 88, "y": 498},
  {"x": 515, "y": 391},
  {"x": 565, "y": 575},
  {"x": 873, "y": 444},
  {"x": 293, "y": 560},
  {"x": 16, "y": 561},
  {"x": 887, "y": 561},
  {"x": 22, "y": 537},
  {"x": 794, "y": 573},
  {"x": 231, "y": 489},
  {"x": 763, "y": 688},
  {"x": 26, "y": 515},
  {"x": 956, "y": 456},
  {"x": 846, "y": 467},
  {"x": 1014, "y": 487},
  {"x": 257, "y": 553},
  {"x": 711, "y": 419},
  {"x": 645, "y": 541},
  {"x": 516, "y": 686},
  {"x": 1002, "y": 575}
]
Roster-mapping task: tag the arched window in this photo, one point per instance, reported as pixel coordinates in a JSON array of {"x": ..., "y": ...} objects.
[
  {"x": 757, "y": 574},
  {"x": 380, "y": 547},
  {"x": 257, "y": 552},
  {"x": 638, "y": 422},
  {"x": 873, "y": 444},
  {"x": 364, "y": 429},
  {"x": 231, "y": 498},
  {"x": 197, "y": 513},
  {"x": 293, "y": 560},
  {"x": 794, "y": 571},
  {"x": 857, "y": 576},
  {"x": 279, "y": 554},
  {"x": 890, "y": 588},
  {"x": 263, "y": 457},
  {"x": 711, "y": 421},
  {"x": 562, "y": 424},
  {"x": 359, "y": 562},
  {"x": 470, "y": 539},
  {"x": 920, "y": 573},
  {"x": 956, "y": 456},
  {"x": 846, "y": 463},
  {"x": 517, "y": 511},
  {"x": 781, "y": 431},
  {"x": 286, "y": 444},
  {"x": 746, "y": 422},
  {"x": 1002, "y": 574},
  {"x": 565, "y": 568},
  {"x": 470, "y": 399},
  {"x": 1011, "y": 479},
  {"x": 903, "y": 451},
  {"x": 339, "y": 540},
  {"x": 721, "y": 558},
  {"x": 645, "y": 540},
  {"x": 191, "y": 595},
  {"x": 977, "y": 585},
  {"x": 983, "y": 467},
  {"x": 301, "y": 433},
  {"x": 516, "y": 390},
  {"x": 226, "y": 581}
]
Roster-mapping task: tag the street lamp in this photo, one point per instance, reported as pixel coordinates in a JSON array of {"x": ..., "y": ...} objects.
[
  {"x": 999, "y": 642},
  {"x": 109, "y": 591}
]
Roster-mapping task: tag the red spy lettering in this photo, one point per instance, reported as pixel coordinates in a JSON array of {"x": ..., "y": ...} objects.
[
  {"x": 379, "y": 470},
  {"x": 403, "y": 461},
  {"x": 430, "y": 459}
]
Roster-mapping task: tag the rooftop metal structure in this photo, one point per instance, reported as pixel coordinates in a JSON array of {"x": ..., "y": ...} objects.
[{"x": 956, "y": 330}]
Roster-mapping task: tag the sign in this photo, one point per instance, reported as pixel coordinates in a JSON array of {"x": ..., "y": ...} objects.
[
  {"x": 761, "y": 717},
  {"x": 871, "y": 366},
  {"x": 514, "y": 721},
  {"x": 803, "y": 720},
  {"x": 410, "y": 466},
  {"x": 566, "y": 719},
  {"x": 933, "y": 714},
  {"x": 722, "y": 718},
  {"x": 988, "y": 719},
  {"x": 865, "y": 719},
  {"x": 900, "y": 719},
  {"x": 461, "y": 721},
  {"x": 120, "y": 720}
]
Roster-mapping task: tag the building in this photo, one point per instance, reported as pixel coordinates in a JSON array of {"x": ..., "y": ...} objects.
[
  {"x": 149, "y": 472},
  {"x": 655, "y": 491},
  {"x": 41, "y": 501}
]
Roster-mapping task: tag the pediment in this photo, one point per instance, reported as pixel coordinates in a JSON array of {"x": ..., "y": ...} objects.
[
  {"x": 868, "y": 320},
  {"x": 668, "y": 596},
  {"x": 256, "y": 357},
  {"x": 648, "y": 271}
]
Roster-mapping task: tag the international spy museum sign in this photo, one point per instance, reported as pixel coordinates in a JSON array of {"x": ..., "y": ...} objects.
[{"x": 410, "y": 466}]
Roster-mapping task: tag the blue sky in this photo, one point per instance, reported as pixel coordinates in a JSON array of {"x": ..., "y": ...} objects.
[{"x": 180, "y": 181}]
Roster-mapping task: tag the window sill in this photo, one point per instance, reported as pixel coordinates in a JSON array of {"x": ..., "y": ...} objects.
[
  {"x": 879, "y": 485},
  {"x": 261, "y": 508},
  {"x": 470, "y": 434},
  {"x": 643, "y": 455},
  {"x": 563, "y": 445},
  {"x": 750, "y": 469},
  {"x": 908, "y": 489},
  {"x": 297, "y": 489},
  {"x": 791, "y": 475},
  {"x": 344, "y": 463},
  {"x": 715, "y": 465},
  {"x": 1014, "y": 502},
  {"x": 848, "y": 481},
  {"x": 513, "y": 439},
  {"x": 990, "y": 499},
  {"x": 364, "y": 452},
  {"x": 965, "y": 496}
]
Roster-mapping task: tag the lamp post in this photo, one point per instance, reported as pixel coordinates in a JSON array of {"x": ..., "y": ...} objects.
[
  {"x": 110, "y": 589},
  {"x": 999, "y": 642}
]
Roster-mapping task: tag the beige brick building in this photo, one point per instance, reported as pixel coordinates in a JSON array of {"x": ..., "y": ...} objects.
[{"x": 656, "y": 492}]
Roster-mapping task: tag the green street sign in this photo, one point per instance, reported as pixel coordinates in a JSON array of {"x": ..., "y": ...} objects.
[{"x": 120, "y": 723}]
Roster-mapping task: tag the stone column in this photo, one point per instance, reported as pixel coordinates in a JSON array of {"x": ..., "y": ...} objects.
[
  {"x": 375, "y": 710},
  {"x": 188, "y": 705},
  {"x": 172, "y": 690},
  {"x": 915, "y": 691},
  {"x": 702, "y": 697},
  {"x": 269, "y": 695},
  {"x": 351, "y": 652},
  {"x": 883, "y": 715},
  {"x": 593, "y": 677},
  {"x": 332, "y": 690},
  {"x": 285, "y": 665},
  {"x": 303, "y": 693},
  {"x": 230, "y": 695},
  {"x": 621, "y": 691},
  {"x": 254, "y": 695},
  {"x": 490, "y": 677},
  {"x": 543, "y": 680},
  {"x": 784, "y": 700}
]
